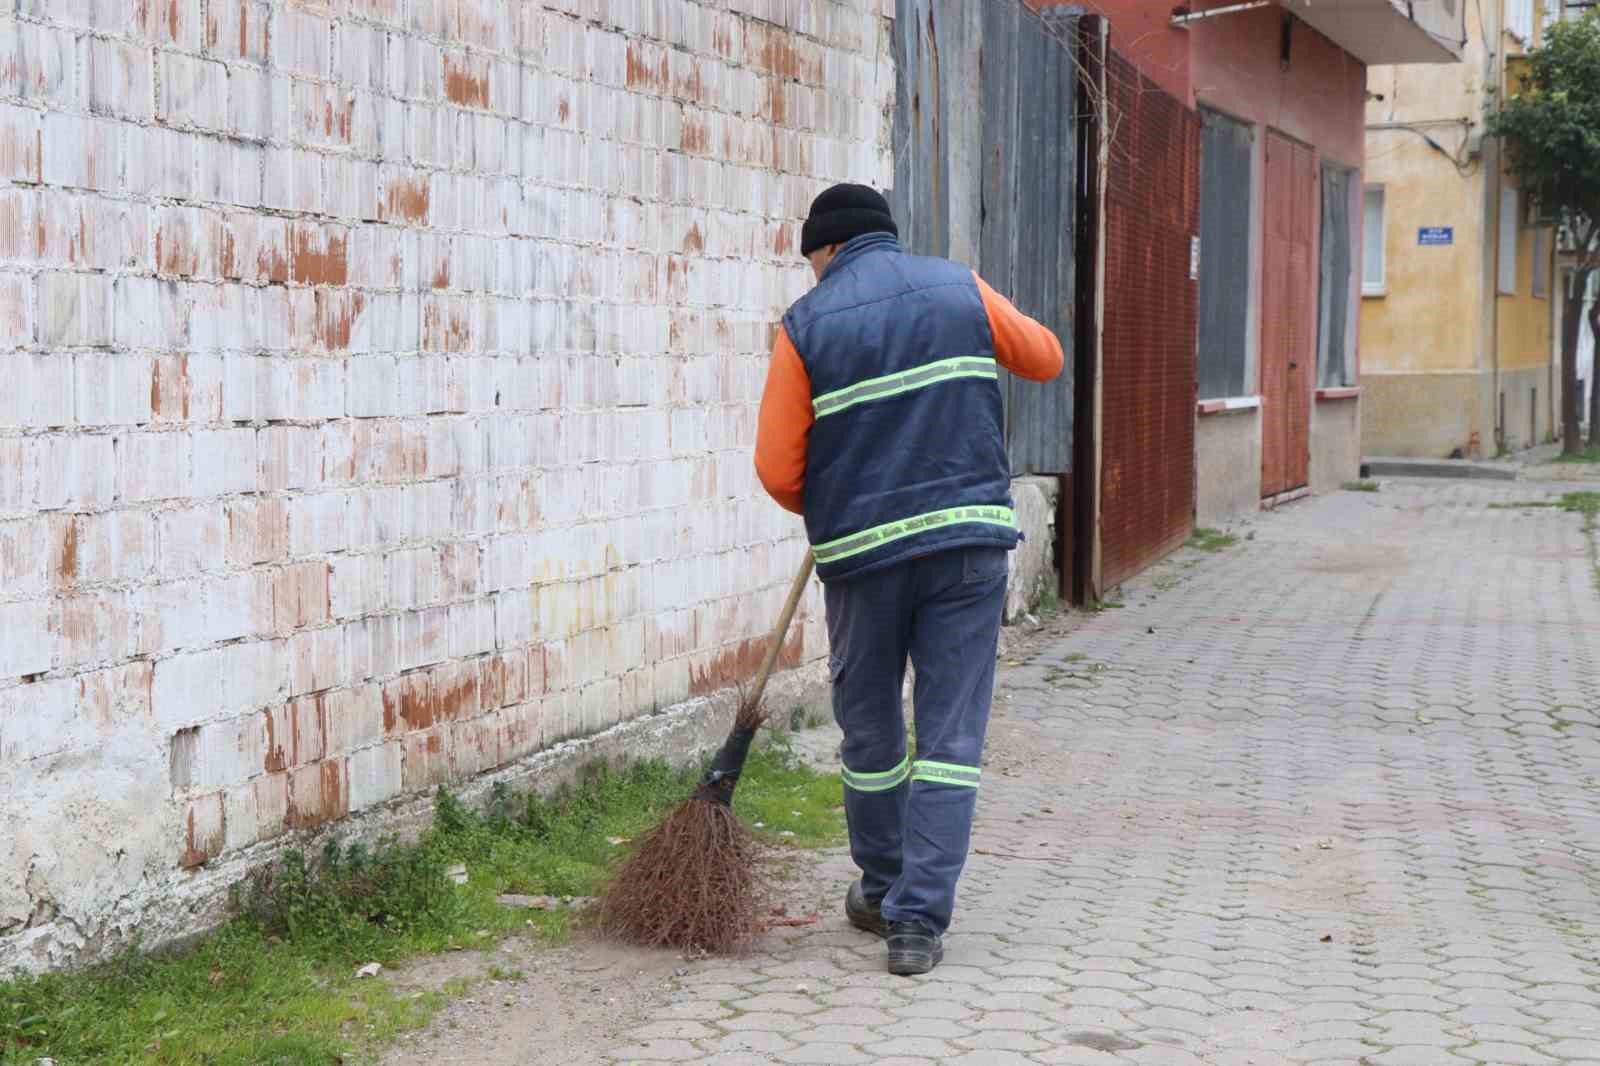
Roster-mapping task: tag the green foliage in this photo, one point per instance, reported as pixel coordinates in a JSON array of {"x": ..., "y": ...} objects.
[
  {"x": 1590, "y": 454},
  {"x": 1211, "y": 540},
  {"x": 1360, "y": 486},
  {"x": 276, "y": 986},
  {"x": 1551, "y": 127}
]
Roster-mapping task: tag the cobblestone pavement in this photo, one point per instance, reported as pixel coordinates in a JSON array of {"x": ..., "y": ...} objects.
[{"x": 1327, "y": 796}]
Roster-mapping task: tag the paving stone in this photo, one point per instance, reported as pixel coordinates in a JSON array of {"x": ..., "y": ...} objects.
[{"x": 1346, "y": 727}]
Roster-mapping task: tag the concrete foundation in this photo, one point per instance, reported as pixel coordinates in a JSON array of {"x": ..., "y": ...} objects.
[
  {"x": 1335, "y": 443},
  {"x": 1433, "y": 415},
  {"x": 1424, "y": 415},
  {"x": 1227, "y": 451},
  {"x": 1526, "y": 394},
  {"x": 1033, "y": 565}
]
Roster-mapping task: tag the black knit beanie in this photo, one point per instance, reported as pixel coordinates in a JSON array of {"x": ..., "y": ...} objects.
[{"x": 843, "y": 212}]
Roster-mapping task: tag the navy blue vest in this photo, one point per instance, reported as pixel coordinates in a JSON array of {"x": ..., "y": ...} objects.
[{"x": 907, "y": 454}]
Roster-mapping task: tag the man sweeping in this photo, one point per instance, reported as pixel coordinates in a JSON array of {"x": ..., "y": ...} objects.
[{"x": 881, "y": 424}]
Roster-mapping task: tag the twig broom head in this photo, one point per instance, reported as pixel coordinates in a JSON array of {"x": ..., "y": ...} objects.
[{"x": 696, "y": 882}]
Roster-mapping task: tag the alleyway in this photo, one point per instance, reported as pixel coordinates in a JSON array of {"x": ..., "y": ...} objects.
[{"x": 1338, "y": 807}]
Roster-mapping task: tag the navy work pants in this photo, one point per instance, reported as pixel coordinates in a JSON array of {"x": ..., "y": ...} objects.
[{"x": 910, "y": 816}]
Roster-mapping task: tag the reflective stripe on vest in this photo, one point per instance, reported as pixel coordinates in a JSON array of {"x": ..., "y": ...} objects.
[
  {"x": 867, "y": 539},
  {"x": 944, "y": 773},
  {"x": 880, "y": 782},
  {"x": 967, "y": 366}
]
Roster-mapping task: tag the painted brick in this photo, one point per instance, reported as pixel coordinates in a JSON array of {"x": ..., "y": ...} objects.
[
  {"x": 37, "y": 392},
  {"x": 95, "y": 627},
  {"x": 39, "y": 63},
  {"x": 204, "y": 835},
  {"x": 82, "y": 152},
  {"x": 219, "y": 754},
  {"x": 225, "y": 462},
  {"x": 58, "y": 471},
  {"x": 74, "y": 310},
  {"x": 154, "y": 466},
  {"x": 112, "y": 390},
  {"x": 231, "y": 679},
  {"x": 427, "y": 380},
  {"x": 375, "y": 775},
  {"x": 237, "y": 31},
  {"x": 112, "y": 546},
  {"x": 119, "y": 78},
  {"x": 301, "y": 42},
  {"x": 21, "y": 150},
  {"x": 239, "y": 605},
  {"x": 30, "y": 644},
  {"x": 192, "y": 540},
  {"x": 353, "y": 719},
  {"x": 257, "y": 811},
  {"x": 300, "y": 596}
]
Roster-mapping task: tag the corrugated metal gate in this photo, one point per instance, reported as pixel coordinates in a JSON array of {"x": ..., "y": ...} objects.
[
  {"x": 1151, "y": 309},
  {"x": 1286, "y": 315},
  {"x": 986, "y": 172}
]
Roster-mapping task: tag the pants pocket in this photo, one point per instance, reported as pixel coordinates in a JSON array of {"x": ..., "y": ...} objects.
[{"x": 984, "y": 564}]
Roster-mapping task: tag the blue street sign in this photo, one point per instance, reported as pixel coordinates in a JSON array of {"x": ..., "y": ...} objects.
[{"x": 1436, "y": 235}]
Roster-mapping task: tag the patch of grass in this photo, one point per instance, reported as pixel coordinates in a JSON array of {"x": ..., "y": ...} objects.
[
  {"x": 1584, "y": 503},
  {"x": 1591, "y": 454},
  {"x": 1587, "y": 504},
  {"x": 1523, "y": 505},
  {"x": 784, "y": 795},
  {"x": 276, "y": 985},
  {"x": 1211, "y": 540},
  {"x": 1360, "y": 486}
]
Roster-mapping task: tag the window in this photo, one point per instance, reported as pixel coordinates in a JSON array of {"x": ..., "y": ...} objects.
[
  {"x": 1373, "y": 257},
  {"x": 1509, "y": 229},
  {"x": 1550, "y": 13},
  {"x": 1519, "y": 20},
  {"x": 1227, "y": 159},
  {"x": 1541, "y": 263},
  {"x": 1334, "y": 306}
]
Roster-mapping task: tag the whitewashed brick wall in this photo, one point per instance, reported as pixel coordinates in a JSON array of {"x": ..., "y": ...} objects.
[{"x": 378, "y": 380}]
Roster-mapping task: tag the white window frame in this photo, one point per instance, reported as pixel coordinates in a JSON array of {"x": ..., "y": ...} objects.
[
  {"x": 1380, "y": 285},
  {"x": 1506, "y": 247}
]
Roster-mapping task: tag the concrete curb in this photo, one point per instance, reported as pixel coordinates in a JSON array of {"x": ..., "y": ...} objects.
[{"x": 1465, "y": 469}]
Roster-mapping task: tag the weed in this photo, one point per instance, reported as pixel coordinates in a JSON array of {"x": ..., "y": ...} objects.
[
  {"x": 1522, "y": 505},
  {"x": 1584, "y": 503},
  {"x": 1211, "y": 540},
  {"x": 276, "y": 985},
  {"x": 1591, "y": 454},
  {"x": 1360, "y": 486}
]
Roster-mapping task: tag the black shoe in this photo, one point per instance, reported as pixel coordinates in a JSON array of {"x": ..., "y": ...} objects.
[
  {"x": 912, "y": 949},
  {"x": 863, "y": 915}
]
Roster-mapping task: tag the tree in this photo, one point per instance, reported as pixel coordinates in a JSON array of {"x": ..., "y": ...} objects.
[{"x": 1550, "y": 127}]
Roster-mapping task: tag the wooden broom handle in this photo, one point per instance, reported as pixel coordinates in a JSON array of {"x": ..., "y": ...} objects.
[{"x": 779, "y": 632}]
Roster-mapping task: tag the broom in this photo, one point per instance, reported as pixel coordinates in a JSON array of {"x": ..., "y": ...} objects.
[{"x": 694, "y": 881}]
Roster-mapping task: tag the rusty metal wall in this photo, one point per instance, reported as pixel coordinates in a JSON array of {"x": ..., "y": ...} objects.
[
  {"x": 986, "y": 173},
  {"x": 1151, "y": 314}
]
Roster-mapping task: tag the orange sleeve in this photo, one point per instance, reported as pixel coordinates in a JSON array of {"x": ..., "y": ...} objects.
[
  {"x": 1021, "y": 345},
  {"x": 785, "y": 426}
]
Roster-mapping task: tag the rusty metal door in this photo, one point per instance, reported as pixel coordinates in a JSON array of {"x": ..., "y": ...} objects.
[
  {"x": 1287, "y": 351},
  {"x": 1152, "y": 306}
]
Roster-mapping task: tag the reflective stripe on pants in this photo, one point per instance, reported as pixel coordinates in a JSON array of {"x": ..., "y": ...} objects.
[{"x": 911, "y": 819}]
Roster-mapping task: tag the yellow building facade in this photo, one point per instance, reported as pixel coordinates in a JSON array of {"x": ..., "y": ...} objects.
[{"x": 1456, "y": 316}]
